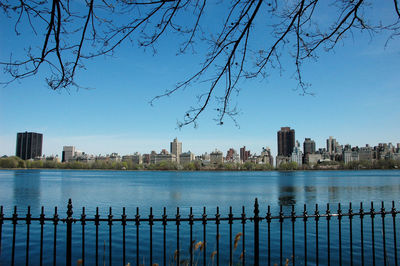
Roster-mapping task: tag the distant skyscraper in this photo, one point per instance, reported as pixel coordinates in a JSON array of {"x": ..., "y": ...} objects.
[
  {"x": 331, "y": 145},
  {"x": 176, "y": 148},
  {"x": 29, "y": 145},
  {"x": 308, "y": 146},
  {"x": 244, "y": 155},
  {"x": 286, "y": 141}
]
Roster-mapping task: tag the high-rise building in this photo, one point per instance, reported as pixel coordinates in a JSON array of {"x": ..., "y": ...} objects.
[
  {"x": 29, "y": 145},
  {"x": 232, "y": 156},
  {"x": 176, "y": 148},
  {"x": 244, "y": 155},
  {"x": 286, "y": 141},
  {"x": 308, "y": 146},
  {"x": 68, "y": 153},
  {"x": 331, "y": 145}
]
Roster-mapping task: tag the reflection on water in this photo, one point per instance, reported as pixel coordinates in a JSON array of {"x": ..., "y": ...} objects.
[
  {"x": 287, "y": 190},
  {"x": 287, "y": 196},
  {"x": 26, "y": 188}
]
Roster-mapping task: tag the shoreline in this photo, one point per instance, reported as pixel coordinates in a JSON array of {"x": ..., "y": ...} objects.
[
  {"x": 201, "y": 170},
  {"x": 17, "y": 163}
]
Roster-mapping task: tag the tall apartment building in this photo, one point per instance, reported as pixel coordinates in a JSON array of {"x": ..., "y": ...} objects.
[
  {"x": 286, "y": 141},
  {"x": 176, "y": 149},
  {"x": 331, "y": 145},
  {"x": 244, "y": 155},
  {"x": 308, "y": 146},
  {"x": 29, "y": 145}
]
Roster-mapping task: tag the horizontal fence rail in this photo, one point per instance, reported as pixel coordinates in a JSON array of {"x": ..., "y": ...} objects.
[{"x": 304, "y": 234}]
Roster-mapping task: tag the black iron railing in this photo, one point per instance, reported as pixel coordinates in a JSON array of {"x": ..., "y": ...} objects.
[{"x": 304, "y": 217}]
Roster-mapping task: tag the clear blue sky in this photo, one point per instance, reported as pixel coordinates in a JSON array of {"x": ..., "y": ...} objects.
[{"x": 357, "y": 99}]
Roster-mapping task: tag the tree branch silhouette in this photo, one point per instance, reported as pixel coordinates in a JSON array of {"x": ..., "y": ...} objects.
[{"x": 73, "y": 33}]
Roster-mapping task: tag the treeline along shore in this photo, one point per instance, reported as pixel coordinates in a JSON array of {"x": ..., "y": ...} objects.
[{"x": 17, "y": 163}]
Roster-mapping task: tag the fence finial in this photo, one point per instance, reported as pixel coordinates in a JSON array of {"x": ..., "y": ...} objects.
[
  {"x": 69, "y": 208},
  {"x": 256, "y": 210}
]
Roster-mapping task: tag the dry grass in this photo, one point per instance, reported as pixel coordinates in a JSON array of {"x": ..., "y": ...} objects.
[
  {"x": 199, "y": 245},
  {"x": 197, "y": 248},
  {"x": 237, "y": 239},
  {"x": 213, "y": 255}
]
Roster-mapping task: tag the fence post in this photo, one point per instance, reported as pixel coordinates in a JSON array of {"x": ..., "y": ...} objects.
[
  {"x": 256, "y": 233},
  {"x": 69, "y": 232}
]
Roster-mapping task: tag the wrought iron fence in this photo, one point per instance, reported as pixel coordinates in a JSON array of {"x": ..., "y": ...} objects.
[{"x": 256, "y": 218}]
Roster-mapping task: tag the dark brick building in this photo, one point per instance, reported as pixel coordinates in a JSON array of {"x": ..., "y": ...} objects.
[
  {"x": 244, "y": 155},
  {"x": 286, "y": 141},
  {"x": 29, "y": 145}
]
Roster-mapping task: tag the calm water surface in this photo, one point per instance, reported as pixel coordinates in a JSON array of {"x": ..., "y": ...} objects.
[{"x": 119, "y": 189}]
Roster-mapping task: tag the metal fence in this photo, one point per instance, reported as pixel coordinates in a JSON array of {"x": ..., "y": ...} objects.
[{"x": 375, "y": 218}]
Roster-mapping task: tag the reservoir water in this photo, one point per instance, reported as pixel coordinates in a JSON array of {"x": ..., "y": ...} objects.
[{"x": 145, "y": 189}]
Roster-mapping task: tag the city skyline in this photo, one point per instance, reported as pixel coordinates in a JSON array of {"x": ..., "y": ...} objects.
[{"x": 177, "y": 146}]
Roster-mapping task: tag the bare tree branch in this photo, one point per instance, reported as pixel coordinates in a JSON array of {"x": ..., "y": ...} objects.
[
  {"x": 396, "y": 7},
  {"x": 65, "y": 28}
]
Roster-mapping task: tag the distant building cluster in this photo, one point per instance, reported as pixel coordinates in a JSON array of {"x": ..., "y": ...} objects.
[
  {"x": 29, "y": 147},
  {"x": 289, "y": 151},
  {"x": 174, "y": 155}
]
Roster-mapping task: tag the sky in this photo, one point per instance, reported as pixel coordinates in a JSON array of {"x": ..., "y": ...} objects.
[{"x": 356, "y": 93}]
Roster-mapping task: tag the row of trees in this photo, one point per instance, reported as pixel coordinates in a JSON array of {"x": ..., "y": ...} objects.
[
  {"x": 379, "y": 164},
  {"x": 355, "y": 165},
  {"x": 16, "y": 162}
]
